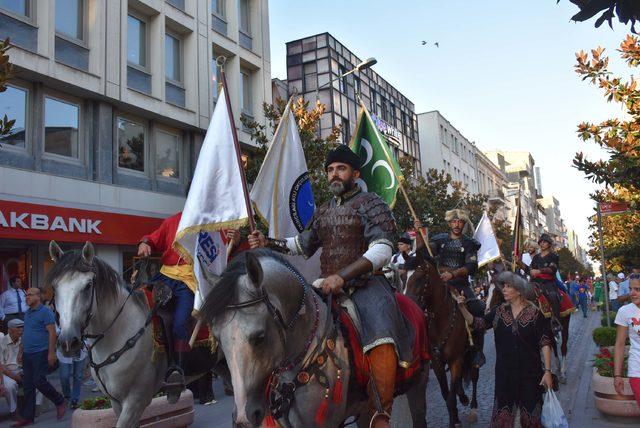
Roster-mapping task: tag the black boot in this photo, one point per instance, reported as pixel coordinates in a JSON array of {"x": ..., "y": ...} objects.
[{"x": 175, "y": 381}]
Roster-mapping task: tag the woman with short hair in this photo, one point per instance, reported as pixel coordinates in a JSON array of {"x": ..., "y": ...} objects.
[
  {"x": 521, "y": 331},
  {"x": 628, "y": 325}
]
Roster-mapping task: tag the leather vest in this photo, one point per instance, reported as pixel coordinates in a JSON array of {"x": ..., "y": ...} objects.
[{"x": 341, "y": 231}]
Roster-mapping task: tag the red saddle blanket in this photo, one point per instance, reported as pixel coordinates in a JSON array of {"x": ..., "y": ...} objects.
[
  {"x": 203, "y": 333},
  {"x": 566, "y": 305},
  {"x": 415, "y": 317}
]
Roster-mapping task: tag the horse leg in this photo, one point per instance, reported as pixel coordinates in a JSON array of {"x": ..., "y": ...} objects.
[
  {"x": 563, "y": 348},
  {"x": 416, "y": 396},
  {"x": 475, "y": 375},
  {"x": 132, "y": 411},
  {"x": 438, "y": 369},
  {"x": 454, "y": 384}
]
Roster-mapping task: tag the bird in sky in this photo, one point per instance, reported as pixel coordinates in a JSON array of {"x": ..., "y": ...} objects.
[
  {"x": 424, "y": 43},
  {"x": 436, "y": 44}
]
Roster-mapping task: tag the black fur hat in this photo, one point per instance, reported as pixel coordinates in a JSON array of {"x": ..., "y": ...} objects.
[{"x": 343, "y": 154}]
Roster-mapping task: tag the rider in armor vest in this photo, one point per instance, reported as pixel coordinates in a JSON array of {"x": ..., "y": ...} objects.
[
  {"x": 356, "y": 232},
  {"x": 457, "y": 257}
]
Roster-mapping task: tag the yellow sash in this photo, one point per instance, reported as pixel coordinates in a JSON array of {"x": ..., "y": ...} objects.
[{"x": 183, "y": 273}]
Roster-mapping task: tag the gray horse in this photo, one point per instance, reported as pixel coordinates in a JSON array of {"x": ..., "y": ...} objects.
[
  {"x": 92, "y": 301},
  {"x": 285, "y": 352}
]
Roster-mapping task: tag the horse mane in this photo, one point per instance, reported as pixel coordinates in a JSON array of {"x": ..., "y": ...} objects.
[
  {"x": 106, "y": 282},
  {"x": 226, "y": 291}
]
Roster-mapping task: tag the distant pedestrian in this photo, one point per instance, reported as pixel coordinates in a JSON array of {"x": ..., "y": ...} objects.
[
  {"x": 573, "y": 291},
  {"x": 9, "y": 366},
  {"x": 13, "y": 303},
  {"x": 613, "y": 293},
  {"x": 38, "y": 355},
  {"x": 583, "y": 298},
  {"x": 521, "y": 334},
  {"x": 628, "y": 322},
  {"x": 71, "y": 373}
]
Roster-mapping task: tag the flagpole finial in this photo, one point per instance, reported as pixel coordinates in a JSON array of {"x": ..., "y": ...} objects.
[{"x": 221, "y": 60}]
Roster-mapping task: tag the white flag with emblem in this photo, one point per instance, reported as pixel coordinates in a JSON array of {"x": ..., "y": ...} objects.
[
  {"x": 282, "y": 194},
  {"x": 489, "y": 249},
  {"x": 214, "y": 202}
]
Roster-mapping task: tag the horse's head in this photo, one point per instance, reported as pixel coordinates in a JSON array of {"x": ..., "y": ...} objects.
[
  {"x": 250, "y": 310},
  {"x": 72, "y": 279},
  {"x": 422, "y": 283}
]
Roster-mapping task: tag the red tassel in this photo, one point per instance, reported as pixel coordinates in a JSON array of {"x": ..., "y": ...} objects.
[
  {"x": 321, "y": 414},
  {"x": 269, "y": 421},
  {"x": 337, "y": 391}
]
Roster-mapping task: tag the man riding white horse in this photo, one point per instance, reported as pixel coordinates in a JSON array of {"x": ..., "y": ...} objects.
[
  {"x": 176, "y": 274},
  {"x": 356, "y": 231}
]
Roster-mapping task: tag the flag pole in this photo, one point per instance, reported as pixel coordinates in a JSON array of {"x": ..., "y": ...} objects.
[
  {"x": 516, "y": 231},
  {"x": 234, "y": 132},
  {"x": 424, "y": 234}
]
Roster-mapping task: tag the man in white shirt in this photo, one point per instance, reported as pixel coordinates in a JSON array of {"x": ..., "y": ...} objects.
[
  {"x": 9, "y": 367},
  {"x": 13, "y": 303},
  {"x": 613, "y": 293}
]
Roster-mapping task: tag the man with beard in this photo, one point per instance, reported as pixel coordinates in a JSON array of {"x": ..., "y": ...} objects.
[
  {"x": 356, "y": 230},
  {"x": 457, "y": 256}
]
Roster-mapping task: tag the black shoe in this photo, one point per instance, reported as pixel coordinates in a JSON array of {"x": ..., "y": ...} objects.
[
  {"x": 174, "y": 385},
  {"x": 208, "y": 398}
]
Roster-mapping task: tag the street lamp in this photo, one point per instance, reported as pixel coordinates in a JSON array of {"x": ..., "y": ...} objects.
[{"x": 367, "y": 63}]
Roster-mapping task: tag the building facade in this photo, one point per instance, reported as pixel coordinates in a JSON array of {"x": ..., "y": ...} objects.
[
  {"x": 493, "y": 183},
  {"x": 555, "y": 224},
  {"x": 443, "y": 147},
  {"x": 112, "y": 100},
  {"x": 520, "y": 172},
  {"x": 313, "y": 62}
]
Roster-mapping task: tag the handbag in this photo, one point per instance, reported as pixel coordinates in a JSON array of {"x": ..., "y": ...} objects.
[{"x": 552, "y": 414}]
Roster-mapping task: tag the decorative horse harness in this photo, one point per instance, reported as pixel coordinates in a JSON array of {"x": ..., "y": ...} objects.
[{"x": 281, "y": 393}]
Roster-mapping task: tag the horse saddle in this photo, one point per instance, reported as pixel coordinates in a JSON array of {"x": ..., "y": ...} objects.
[{"x": 352, "y": 329}]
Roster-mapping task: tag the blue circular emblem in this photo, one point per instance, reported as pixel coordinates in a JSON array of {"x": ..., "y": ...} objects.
[{"x": 301, "y": 205}]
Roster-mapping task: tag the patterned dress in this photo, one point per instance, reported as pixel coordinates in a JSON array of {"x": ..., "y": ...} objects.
[{"x": 519, "y": 366}]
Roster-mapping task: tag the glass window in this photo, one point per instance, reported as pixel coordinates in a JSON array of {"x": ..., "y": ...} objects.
[
  {"x": 131, "y": 145},
  {"x": 167, "y": 155},
  {"x": 19, "y": 7},
  {"x": 216, "y": 78},
  {"x": 245, "y": 16},
  {"x": 13, "y": 104},
  {"x": 218, "y": 7},
  {"x": 136, "y": 41},
  {"x": 69, "y": 18},
  {"x": 172, "y": 57},
  {"x": 294, "y": 72},
  {"x": 294, "y": 48},
  {"x": 61, "y": 120},
  {"x": 245, "y": 91}
]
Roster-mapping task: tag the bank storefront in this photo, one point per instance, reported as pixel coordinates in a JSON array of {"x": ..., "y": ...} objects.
[{"x": 27, "y": 228}]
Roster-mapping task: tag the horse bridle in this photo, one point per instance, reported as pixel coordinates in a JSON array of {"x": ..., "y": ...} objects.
[
  {"x": 280, "y": 394},
  {"x": 96, "y": 338}
]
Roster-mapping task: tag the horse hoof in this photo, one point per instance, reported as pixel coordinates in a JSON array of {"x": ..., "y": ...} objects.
[{"x": 473, "y": 416}]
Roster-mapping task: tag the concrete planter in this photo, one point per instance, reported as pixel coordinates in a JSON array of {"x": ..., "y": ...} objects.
[
  {"x": 159, "y": 414},
  {"x": 609, "y": 402}
]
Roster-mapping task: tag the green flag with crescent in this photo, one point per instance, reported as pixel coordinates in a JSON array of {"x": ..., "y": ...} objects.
[{"x": 380, "y": 172}]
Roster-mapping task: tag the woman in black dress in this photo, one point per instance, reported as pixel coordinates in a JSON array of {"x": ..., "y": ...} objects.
[{"x": 521, "y": 332}]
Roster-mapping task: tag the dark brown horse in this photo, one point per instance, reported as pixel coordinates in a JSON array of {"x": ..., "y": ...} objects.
[{"x": 448, "y": 339}]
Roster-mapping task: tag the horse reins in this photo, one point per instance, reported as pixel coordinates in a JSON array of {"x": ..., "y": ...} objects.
[
  {"x": 280, "y": 394},
  {"x": 96, "y": 338}
]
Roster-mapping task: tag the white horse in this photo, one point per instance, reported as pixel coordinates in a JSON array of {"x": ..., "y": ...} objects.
[{"x": 95, "y": 305}]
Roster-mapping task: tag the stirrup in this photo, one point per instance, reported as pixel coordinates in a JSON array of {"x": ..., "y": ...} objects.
[
  {"x": 380, "y": 419},
  {"x": 174, "y": 384}
]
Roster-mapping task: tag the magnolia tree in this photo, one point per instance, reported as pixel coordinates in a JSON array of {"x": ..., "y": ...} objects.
[{"x": 620, "y": 173}]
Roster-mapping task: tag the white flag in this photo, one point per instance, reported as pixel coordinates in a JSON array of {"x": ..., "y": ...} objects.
[
  {"x": 282, "y": 194},
  {"x": 215, "y": 201},
  {"x": 489, "y": 250}
]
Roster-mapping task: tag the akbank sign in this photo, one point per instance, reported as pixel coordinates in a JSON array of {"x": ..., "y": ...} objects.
[{"x": 24, "y": 221}]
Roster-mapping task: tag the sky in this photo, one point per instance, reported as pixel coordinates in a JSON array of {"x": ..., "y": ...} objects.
[{"x": 503, "y": 74}]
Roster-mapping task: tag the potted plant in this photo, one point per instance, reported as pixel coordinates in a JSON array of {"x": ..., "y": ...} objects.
[
  {"x": 608, "y": 401},
  {"x": 97, "y": 413}
]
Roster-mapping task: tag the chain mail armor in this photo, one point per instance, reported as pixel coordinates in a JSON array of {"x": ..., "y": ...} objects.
[{"x": 345, "y": 227}]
